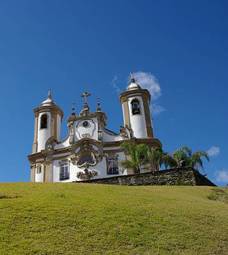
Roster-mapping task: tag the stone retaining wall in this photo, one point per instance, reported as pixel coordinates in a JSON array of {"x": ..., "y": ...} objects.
[{"x": 185, "y": 176}]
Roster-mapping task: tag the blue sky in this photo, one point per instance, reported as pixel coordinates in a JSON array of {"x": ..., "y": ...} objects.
[{"x": 181, "y": 47}]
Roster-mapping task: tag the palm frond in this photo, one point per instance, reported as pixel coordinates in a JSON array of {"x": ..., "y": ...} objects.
[
  {"x": 197, "y": 159},
  {"x": 186, "y": 150},
  {"x": 128, "y": 164},
  {"x": 168, "y": 161},
  {"x": 137, "y": 154}
]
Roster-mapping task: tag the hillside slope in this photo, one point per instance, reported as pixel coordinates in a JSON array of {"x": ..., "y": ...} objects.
[{"x": 101, "y": 219}]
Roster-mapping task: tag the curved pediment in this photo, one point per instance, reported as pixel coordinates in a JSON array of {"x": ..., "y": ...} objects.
[{"x": 51, "y": 143}]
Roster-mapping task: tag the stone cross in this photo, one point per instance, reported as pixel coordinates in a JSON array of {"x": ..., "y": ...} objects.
[
  {"x": 85, "y": 96},
  {"x": 132, "y": 78}
]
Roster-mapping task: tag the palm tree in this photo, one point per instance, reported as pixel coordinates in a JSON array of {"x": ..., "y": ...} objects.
[
  {"x": 181, "y": 157},
  {"x": 184, "y": 157},
  {"x": 154, "y": 157},
  {"x": 196, "y": 160},
  {"x": 168, "y": 161},
  {"x": 157, "y": 157},
  {"x": 136, "y": 155},
  {"x": 139, "y": 154}
]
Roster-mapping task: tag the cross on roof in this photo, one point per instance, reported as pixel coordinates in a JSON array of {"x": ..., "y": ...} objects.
[
  {"x": 85, "y": 96},
  {"x": 49, "y": 94},
  {"x": 132, "y": 78}
]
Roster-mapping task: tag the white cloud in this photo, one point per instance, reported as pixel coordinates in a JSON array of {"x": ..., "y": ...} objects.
[
  {"x": 157, "y": 109},
  {"x": 150, "y": 82},
  {"x": 213, "y": 151},
  {"x": 222, "y": 176},
  {"x": 114, "y": 84}
]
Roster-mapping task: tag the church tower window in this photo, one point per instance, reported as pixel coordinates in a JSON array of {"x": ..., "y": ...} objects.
[
  {"x": 39, "y": 170},
  {"x": 64, "y": 173},
  {"x": 112, "y": 165},
  {"x": 135, "y": 106},
  {"x": 43, "y": 121}
]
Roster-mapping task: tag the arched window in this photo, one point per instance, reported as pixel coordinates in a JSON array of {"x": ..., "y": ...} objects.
[
  {"x": 39, "y": 170},
  {"x": 135, "y": 106},
  {"x": 43, "y": 121},
  {"x": 112, "y": 165},
  {"x": 64, "y": 172}
]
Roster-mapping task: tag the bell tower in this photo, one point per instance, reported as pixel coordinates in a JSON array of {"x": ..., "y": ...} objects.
[
  {"x": 135, "y": 103},
  {"x": 48, "y": 118}
]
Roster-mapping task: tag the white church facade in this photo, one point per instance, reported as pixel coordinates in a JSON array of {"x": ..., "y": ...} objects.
[{"x": 90, "y": 150}]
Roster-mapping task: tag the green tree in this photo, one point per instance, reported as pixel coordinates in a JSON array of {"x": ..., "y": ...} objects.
[
  {"x": 136, "y": 155},
  {"x": 184, "y": 157},
  {"x": 139, "y": 154},
  {"x": 157, "y": 157},
  {"x": 168, "y": 161},
  {"x": 196, "y": 160}
]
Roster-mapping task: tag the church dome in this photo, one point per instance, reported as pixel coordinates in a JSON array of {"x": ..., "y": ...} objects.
[
  {"x": 133, "y": 85},
  {"x": 49, "y": 101},
  {"x": 49, "y": 104}
]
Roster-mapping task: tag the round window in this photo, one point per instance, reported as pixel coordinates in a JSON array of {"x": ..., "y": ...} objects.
[{"x": 85, "y": 123}]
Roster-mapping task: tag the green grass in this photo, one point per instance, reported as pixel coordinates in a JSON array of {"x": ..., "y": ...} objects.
[{"x": 101, "y": 219}]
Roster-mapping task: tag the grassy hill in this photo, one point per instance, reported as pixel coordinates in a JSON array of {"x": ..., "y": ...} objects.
[{"x": 101, "y": 219}]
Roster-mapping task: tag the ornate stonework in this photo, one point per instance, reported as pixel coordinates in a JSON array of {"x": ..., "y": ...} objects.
[{"x": 86, "y": 152}]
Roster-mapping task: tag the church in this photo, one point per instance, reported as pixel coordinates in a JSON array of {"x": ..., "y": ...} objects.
[{"x": 90, "y": 150}]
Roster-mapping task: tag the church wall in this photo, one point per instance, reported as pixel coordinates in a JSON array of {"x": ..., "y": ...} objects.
[
  {"x": 39, "y": 177},
  {"x": 74, "y": 169},
  {"x": 102, "y": 166},
  {"x": 121, "y": 157},
  {"x": 63, "y": 144},
  {"x": 111, "y": 138},
  {"x": 124, "y": 115},
  {"x": 55, "y": 167},
  {"x": 32, "y": 173},
  {"x": 138, "y": 122},
  {"x": 48, "y": 173},
  {"x": 58, "y": 127},
  {"x": 101, "y": 169}
]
